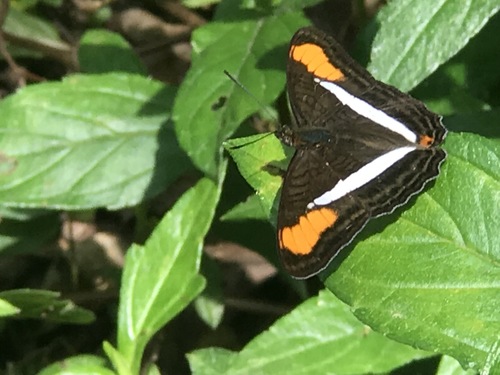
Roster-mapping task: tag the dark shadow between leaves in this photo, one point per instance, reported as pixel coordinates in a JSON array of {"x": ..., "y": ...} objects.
[
  {"x": 28, "y": 236},
  {"x": 484, "y": 123},
  {"x": 476, "y": 83},
  {"x": 233, "y": 11},
  {"x": 362, "y": 47},
  {"x": 274, "y": 59}
]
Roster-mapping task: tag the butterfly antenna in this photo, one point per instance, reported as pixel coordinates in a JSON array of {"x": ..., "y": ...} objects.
[{"x": 240, "y": 85}]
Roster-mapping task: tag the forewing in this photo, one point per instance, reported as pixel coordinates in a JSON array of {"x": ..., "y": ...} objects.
[{"x": 314, "y": 54}]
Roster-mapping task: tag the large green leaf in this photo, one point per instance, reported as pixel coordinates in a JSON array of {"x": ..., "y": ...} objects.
[
  {"x": 321, "y": 336},
  {"x": 97, "y": 140},
  {"x": 161, "y": 277},
  {"x": 415, "y": 37},
  {"x": 431, "y": 278}
]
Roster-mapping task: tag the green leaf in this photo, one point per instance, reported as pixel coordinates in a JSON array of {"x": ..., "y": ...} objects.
[
  {"x": 8, "y": 309},
  {"x": 161, "y": 277},
  {"x": 78, "y": 365},
  {"x": 417, "y": 37},
  {"x": 430, "y": 279},
  {"x": 249, "y": 209},
  {"x": 450, "y": 366},
  {"x": 492, "y": 365},
  {"x": 102, "y": 51},
  {"x": 152, "y": 369},
  {"x": 210, "y": 309},
  {"x": 209, "y": 305},
  {"x": 27, "y": 28},
  {"x": 24, "y": 236},
  {"x": 198, "y": 3},
  {"x": 89, "y": 141},
  {"x": 334, "y": 341},
  {"x": 22, "y": 214},
  {"x": 254, "y": 51},
  {"x": 261, "y": 159},
  {"x": 46, "y": 305},
  {"x": 211, "y": 361},
  {"x": 120, "y": 363}
]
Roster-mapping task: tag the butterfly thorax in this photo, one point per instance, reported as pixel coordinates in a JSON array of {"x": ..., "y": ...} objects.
[{"x": 304, "y": 138}]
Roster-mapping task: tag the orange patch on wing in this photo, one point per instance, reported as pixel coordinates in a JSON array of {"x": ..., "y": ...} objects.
[
  {"x": 322, "y": 218},
  {"x": 310, "y": 234},
  {"x": 286, "y": 238},
  {"x": 301, "y": 238},
  {"x": 316, "y": 62},
  {"x": 425, "y": 140}
]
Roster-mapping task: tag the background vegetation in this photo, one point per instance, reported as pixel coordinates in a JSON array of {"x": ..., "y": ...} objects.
[{"x": 129, "y": 240}]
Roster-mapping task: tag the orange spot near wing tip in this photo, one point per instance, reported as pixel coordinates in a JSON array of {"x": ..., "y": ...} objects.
[
  {"x": 425, "y": 140},
  {"x": 301, "y": 238},
  {"x": 316, "y": 61}
]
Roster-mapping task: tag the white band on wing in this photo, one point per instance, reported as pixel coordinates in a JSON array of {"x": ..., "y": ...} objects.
[
  {"x": 367, "y": 110},
  {"x": 362, "y": 176}
]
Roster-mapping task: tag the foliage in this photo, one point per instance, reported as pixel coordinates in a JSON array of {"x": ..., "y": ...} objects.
[{"x": 419, "y": 288}]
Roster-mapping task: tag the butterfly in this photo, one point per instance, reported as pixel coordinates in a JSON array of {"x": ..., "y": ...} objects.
[{"x": 362, "y": 148}]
